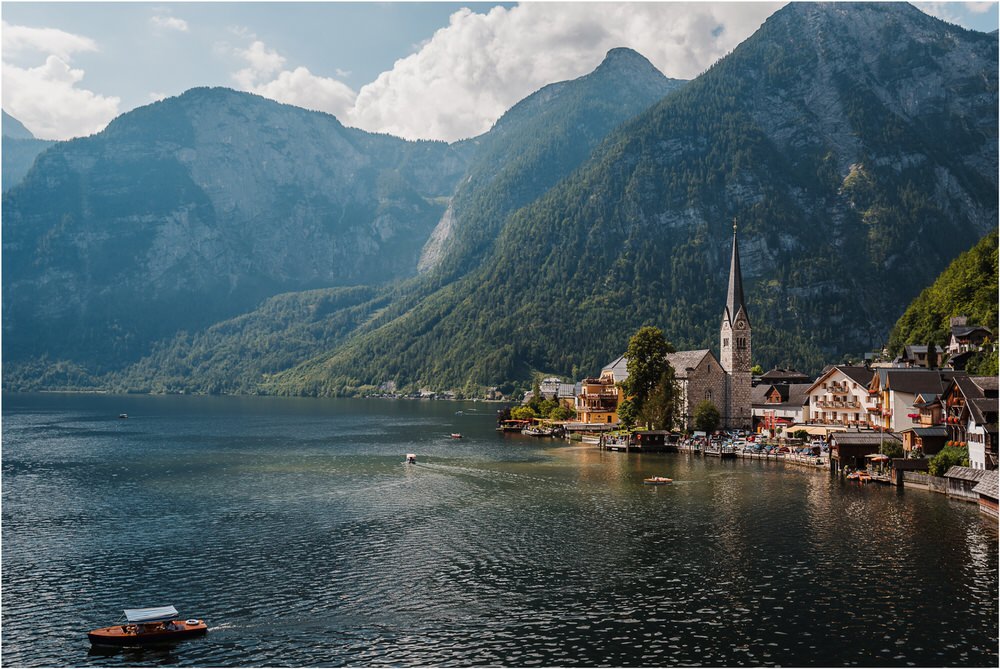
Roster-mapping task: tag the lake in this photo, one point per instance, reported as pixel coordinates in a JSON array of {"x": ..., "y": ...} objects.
[{"x": 294, "y": 528}]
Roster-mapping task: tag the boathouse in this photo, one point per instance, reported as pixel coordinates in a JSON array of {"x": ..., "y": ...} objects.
[
  {"x": 849, "y": 449},
  {"x": 987, "y": 491}
]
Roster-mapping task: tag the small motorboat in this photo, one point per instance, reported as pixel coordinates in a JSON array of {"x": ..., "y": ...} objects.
[
  {"x": 411, "y": 458},
  {"x": 657, "y": 480},
  {"x": 456, "y": 435},
  {"x": 153, "y": 625},
  {"x": 122, "y": 416}
]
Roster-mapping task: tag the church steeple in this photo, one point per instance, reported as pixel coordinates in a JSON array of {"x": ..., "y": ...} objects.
[
  {"x": 734, "y": 297},
  {"x": 734, "y": 348}
]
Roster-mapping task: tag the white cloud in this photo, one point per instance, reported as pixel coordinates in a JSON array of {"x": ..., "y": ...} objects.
[
  {"x": 20, "y": 41},
  {"x": 169, "y": 22},
  {"x": 470, "y": 72},
  {"x": 263, "y": 63},
  {"x": 302, "y": 88},
  {"x": 47, "y": 101},
  {"x": 265, "y": 76},
  {"x": 46, "y": 98}
]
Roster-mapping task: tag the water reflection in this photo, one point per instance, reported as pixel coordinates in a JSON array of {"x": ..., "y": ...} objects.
[{"x": 294, "y": 528}]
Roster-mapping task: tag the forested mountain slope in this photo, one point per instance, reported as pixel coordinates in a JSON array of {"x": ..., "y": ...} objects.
[
  {"x": 967, "y": 287},
  {"x": 855, "y": 143}
]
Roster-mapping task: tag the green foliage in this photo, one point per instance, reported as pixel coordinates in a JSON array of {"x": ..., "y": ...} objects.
[
  {"x": 756, "y": 370},
  {"x": 523, "y": 413},
  {"x": 627, "y": 414},
  {"x": 706, "y": 416},
  {"x": 968, "y": 286},
  {"x": 893, "y": 449},
  {"x": 647, "y": 369},
  {"x": 984, "y": 363},
  {"x": 800, "y": 434},
  {"x": 562, "y": 413},
  {"x": 948, "y": 457}
]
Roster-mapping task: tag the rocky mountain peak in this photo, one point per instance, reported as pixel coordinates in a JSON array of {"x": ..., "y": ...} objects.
[{"x": 15, "y": 129}]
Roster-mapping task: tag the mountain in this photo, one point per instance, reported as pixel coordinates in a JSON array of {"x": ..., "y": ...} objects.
[
  {"x": 218, "y": 152},
  {"x": 967, "y": 287},
  {"x": 20, "y": 148},
  {"x": 856, "y": 144},
  {"x": 13, "y": 128},
  {"x": 194, "y": 209}
]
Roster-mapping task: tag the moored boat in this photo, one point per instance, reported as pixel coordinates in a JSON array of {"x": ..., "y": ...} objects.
[
  {"x": 456, "y": 435},
  {"x": 657, "y": 480},
  {"x": 152, "y": 625},
  {"x": 411, "y": 458}
]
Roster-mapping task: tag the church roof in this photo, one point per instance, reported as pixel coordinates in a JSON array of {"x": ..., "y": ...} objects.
[
  {"x": 680, "y": 361},
  {"x": 734, "y": 296}
]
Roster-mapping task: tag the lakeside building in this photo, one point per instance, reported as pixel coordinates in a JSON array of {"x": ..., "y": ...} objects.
[
  {"x": 725, "y": 381},
  {"x": 897, "y": 391},
  {"x": 699, "y": 377},
  {"x": 970, "y": 415},
  {"x": 840, "y": 398},
  {"x": 780, "y": 405}
]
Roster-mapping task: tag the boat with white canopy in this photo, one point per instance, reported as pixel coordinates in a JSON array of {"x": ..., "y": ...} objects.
[{"x": 148, "y": 625}]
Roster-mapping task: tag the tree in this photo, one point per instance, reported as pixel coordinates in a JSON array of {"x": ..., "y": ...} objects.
[
  {"x": 562, "y": 413},
  {"x": 626, "y": 414},
  {"x": 522, "y": 413},
  {"x": 647, "y": 366},
  {"x": 893, "y": 449},
  {"x": 757, "y": 370},
  {"x": 660, "y": 408},
  {"x": 946, "y": 458},
  {"x": 706, "y": 416}
]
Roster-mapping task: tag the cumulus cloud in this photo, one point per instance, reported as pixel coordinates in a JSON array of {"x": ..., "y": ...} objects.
[
  {"x": 48, "y": 102},
  {"x": 470, "y": 72},
  {"x": 170, "y": 23},
  {"x": 46, "y": 98},
  {"x": 265, "y": 75}
]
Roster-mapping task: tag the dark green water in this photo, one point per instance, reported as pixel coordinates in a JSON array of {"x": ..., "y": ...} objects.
[{"x": 293, "y": 527}]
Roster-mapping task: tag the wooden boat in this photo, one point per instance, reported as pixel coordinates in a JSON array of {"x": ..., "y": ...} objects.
[
  {"x": 539, "y": 431},
  {"x": 657, "y": 480},
  {"x": 411, "y": 458},
  {"x": 456, "y": 435},
  {"x": 153, "y": 625}
]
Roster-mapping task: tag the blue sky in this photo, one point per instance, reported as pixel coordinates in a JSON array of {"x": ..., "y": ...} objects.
[{"x": 417, "y": 70}]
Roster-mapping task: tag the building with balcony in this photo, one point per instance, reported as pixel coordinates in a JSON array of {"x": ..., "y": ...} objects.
[
  {"x": 970, "y": 415},
  {"x": 896, "y": 389},
  {"x": 780, "y": 405},
  {"x": 839, "y": 397},
  {"x": 597, "y": 400}
]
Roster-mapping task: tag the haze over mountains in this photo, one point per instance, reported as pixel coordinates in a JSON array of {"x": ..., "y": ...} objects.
[{"x": 855, "y": 144}]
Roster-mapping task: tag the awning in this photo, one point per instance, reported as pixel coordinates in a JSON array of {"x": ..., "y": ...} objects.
[
  {"x": 151, "y": 615},
  {"x": 877, "y": 456},
  {"x": 814, "y": 430}
]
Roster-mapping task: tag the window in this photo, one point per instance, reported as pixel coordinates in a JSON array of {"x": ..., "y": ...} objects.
[
  {"x": 708, "y": 394},
  {"x": 741, "y": 343},
  {"x": 725, "y": 342}
]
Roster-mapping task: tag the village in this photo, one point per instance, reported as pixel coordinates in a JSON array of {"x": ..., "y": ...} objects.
[{"x": 916, "y": 421}]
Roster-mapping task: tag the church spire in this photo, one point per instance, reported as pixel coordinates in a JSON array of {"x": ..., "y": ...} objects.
[{"x": 734, "y": 298}]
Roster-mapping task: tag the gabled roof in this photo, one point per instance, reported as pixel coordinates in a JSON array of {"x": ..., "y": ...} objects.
[
  {"x": 986, "y": 383},
  {"x": 865, "y": 438},
  {"x": 793, "y": 395},
  {"x": 965, "y": 473},
  {"x": 914, "y": 380},
  {"x": 779, "y": 375},
  {"x": 988, "y": 485},
  {"x": 983, "y": 409},
  {"x": 860, "y": 375},
  {"x": 937, "y": 431},
  {"x": 680, "y": 361},
  {"x": 925, "y": 399},
  {"x": 966, "y": 330}
]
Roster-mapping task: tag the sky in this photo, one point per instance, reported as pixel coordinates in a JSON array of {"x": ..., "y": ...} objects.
[{"x": 419, "y": 70}]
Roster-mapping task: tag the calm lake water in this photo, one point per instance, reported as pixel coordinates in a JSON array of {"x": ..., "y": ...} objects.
[{"x": 294, "y": 529}]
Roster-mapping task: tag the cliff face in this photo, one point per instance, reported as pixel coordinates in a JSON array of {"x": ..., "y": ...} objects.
[{"x": 194, "y": 208}]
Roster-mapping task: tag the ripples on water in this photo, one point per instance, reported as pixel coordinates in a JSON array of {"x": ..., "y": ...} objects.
[{"x": 293, "y": 527}]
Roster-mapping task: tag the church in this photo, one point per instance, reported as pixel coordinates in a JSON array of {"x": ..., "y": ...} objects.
[{"x": 726, "y": 381}]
